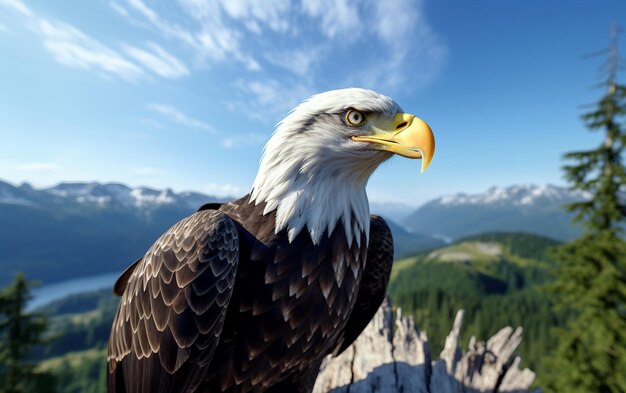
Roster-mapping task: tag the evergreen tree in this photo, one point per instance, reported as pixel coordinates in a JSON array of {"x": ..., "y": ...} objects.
[
  {"x": 19, "y": 332},
  {"x": 591, "y": 273}
]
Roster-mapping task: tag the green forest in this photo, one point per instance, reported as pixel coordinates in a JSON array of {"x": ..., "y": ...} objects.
[{"x": 500, "y": 289}]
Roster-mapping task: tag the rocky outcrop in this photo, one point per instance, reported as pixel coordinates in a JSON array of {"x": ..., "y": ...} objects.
[{"x": 384, "y": 361}]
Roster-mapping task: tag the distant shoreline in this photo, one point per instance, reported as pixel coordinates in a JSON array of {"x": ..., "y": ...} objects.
[{"x": 51, "y": 292}]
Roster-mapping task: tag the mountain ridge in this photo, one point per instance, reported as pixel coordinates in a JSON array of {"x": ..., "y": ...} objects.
[
  {"x": 89, "y": 228},
  {"x": 96, "y": 228},
  {"x": 101, "y": 194},
  {"x": 522, "y": 208},
  {"x": 516, "y": 194}
]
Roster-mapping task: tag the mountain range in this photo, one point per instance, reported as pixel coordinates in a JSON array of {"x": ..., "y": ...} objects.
[
  {"x": 518, "y": 208},
  {"x": 110, "y": 195},
  {"x": 80, "y": 229}
]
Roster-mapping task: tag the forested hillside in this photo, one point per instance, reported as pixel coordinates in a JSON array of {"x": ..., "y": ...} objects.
[{"x": 496, "y": 278}]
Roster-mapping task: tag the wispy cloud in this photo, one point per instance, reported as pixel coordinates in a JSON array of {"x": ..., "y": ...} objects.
[
  {"x": 158, "y": 60},
  {"x": 387, "y": 46},
  {"x": 222, "y": 190},
  {"x": 73, "y": 48},
  {"x": 258, "y": 14},
  {"x": 168, "y": 29},
  {"x": 412, "y": 44},
  {"x": 270, "y": 96},
  {"x": 300, "y": 61},
  {"x": 126, "y": 13},
  {"x": 18, "y": 6},
  {"x": 176, "y": 116},
  {"x": 216, "y": 40},
  {"x": 119, "y": 9},
  {"x": 337, "y": 17}
]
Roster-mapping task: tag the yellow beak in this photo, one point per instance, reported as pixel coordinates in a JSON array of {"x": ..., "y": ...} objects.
[{"x": 407, "y": 135}]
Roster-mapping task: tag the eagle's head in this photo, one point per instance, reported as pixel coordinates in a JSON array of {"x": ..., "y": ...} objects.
[{"x": 317, "y": 163}]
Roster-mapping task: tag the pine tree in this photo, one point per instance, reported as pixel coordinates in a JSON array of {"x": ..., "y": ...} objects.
[
  {"x": 591, "y": 273},
  {"x": 19, "y": 332}
]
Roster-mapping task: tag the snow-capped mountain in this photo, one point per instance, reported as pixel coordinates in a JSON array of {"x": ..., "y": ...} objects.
[
  {"x": 22, "y": 195},
  {"x": 102, "y": 195},
  {"x": 525, "y": 194},
  {"x": 98, "y": 228},
  {"x": 79, "y": 229},
  {"x": 524, "y": 208}
]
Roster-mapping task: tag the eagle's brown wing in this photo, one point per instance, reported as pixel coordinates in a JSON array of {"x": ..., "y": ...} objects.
[
  {"x": 172, "y": 311},
  {"x": 373, "y": 283}
]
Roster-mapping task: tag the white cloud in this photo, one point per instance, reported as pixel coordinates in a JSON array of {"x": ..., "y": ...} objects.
[
  {"x": 126, "y": 13},
  {"x": 214, "y": 40},
  {"x": 18, "y": 6},
  {"x": 387, "y": 46},
  {"x": 39, "y": 166},
  {"x": 176, "y": 116},
  {"x": 256, "y": 13},
  {"x": 412, "y": 53},
  {"x": 164, "y": 27},
  {"x": 298, "y": 61},
  {"x": 403, "y": 25},
  {"x": 74, "y": 48},
  {"x": 251, "y": 64},
  {"x": 270, "y": 97},
  {"x": 119, "y": 9},
  {"x": 336, "y": 16},
  {"x": 217, "y": 42},
  {"x": 158, "y": 60},
  {"x": 222, "y": 190},
  {"x": 266, "y": 92}
]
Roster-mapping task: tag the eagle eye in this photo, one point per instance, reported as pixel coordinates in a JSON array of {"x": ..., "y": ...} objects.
[{"x": 355, "y": 118}]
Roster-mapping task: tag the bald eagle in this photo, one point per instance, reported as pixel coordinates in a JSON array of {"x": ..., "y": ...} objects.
[{"x": 251, "y": 295}]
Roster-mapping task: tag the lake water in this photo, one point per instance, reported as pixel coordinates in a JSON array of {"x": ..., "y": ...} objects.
[{"x": 48, "y": 293}]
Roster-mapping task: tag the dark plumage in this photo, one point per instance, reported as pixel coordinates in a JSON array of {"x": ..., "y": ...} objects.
[
  {"x": 287, "y": 309},
  {"x": 253, "y": 294}
]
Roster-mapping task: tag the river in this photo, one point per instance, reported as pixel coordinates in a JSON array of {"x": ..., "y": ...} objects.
[{"x": 47, "y": 293}]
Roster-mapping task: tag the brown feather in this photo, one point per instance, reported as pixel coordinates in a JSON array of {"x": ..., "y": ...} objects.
[
  {"x": 166, "y": 329},
  {"x": 235, "y": 307}
]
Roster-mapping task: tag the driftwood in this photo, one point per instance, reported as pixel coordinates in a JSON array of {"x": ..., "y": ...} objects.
[{"x": 383, "y": 362}]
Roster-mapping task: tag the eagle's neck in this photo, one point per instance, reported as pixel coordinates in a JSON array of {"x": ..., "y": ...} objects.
[{"x": 316, "y": 200}]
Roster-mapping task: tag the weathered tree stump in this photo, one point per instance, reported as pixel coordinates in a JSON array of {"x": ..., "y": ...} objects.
[{"x": 383, "y": 362}]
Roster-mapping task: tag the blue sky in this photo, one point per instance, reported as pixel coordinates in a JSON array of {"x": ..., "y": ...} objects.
[{"x": 183, "y": 94}]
